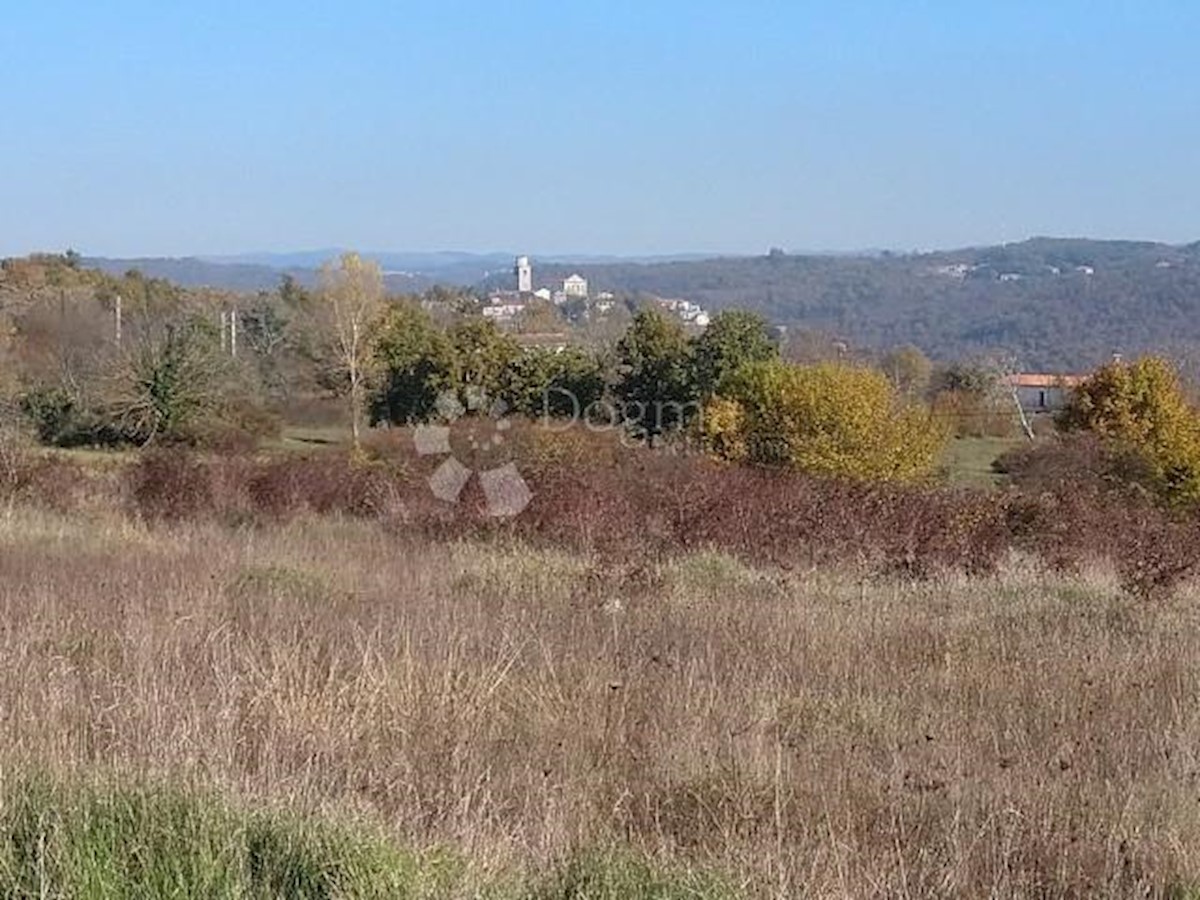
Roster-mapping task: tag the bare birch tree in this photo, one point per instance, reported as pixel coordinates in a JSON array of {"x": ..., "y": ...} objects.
[{"x": 351, "y": 298}]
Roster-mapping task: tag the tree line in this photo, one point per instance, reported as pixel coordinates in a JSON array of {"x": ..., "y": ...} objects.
[{"x": 204, "y": 368}]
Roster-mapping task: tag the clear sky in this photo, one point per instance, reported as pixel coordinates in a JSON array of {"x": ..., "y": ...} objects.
[{"x": 149, "y": 127}]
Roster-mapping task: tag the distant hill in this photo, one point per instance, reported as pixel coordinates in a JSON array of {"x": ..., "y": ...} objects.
[
  {"x": 1056, "y": 304},
  {"x": 446, "y": 267},
  {"x": 193, "y": 272}
]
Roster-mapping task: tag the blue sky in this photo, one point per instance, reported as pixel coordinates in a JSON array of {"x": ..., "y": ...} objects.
[{"x": 140, "y": 127}]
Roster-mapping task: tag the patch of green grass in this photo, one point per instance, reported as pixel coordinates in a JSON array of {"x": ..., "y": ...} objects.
[
  {"x": 968, "y": 460},
  {"x": 92, "y": 843},
  {"x": 89, "y": 841}
]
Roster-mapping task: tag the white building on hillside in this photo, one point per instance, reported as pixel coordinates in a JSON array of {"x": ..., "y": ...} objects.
[
  {"x": 1040, "y": 393},
  {"x": 575, "y": 286},
  {"x": 690, "y": 312}
]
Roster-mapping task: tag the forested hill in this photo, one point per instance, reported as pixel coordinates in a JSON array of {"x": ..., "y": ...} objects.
[{"x": 1056, "y": 304}]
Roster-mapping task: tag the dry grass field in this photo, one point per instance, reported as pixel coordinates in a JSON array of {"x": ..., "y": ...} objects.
[{"x": 329, "y": 707}]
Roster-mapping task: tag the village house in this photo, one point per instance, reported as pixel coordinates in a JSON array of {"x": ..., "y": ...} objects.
[
  {"x": 503, "y": 308},
  {"x": 1042, "y": 393},
  {"x": 689, "y": 312}
]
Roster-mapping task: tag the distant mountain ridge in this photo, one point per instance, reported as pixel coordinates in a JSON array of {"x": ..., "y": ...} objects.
[
  {"x": 198, "y": 272},
  {"x": 195, "y": 272}
]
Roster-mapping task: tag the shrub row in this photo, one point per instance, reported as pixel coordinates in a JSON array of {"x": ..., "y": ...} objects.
[
  {"x": 631, "y": 504},
  {"x": 600, "y": 498}
]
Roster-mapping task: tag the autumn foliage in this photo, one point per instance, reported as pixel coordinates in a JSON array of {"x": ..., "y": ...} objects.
[
  {"x": 1141, "y": 407},
  {"x": 827, "y": 419}
]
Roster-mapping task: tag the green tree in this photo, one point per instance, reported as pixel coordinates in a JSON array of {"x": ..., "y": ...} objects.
[
  {"x": 1142, "y": 406},
  {"x": 826, "y": 419},
  {"x": 733, "y": 339},
  {"x": 416, "y": 363},
  {"x": 655, "y": 389},
  {"x": 482, "y": 355},
  {"x": 555, "y": 384}
]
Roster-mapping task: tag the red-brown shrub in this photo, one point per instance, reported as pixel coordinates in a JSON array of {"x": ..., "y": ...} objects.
[
  {"x": 632, "y": 504},
  {"x": 173, "y": 484},
  {"x": 26, "y": 475}
]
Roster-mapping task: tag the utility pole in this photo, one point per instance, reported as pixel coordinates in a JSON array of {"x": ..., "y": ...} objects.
[
  {"x": 1025, "y": 426},
  {"x": 233, "y": 332},
  {"x": 224, "y": 331},
  {"x": 117, "y": 319}
]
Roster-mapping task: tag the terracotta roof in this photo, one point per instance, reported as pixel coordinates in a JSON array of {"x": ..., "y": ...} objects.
[{"x": 1042, "y": 380}]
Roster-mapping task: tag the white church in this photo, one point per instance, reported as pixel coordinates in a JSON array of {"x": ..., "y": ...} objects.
[{"x": 574, "y": 287}]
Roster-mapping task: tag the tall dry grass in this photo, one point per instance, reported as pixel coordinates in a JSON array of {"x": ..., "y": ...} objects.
[{"x": 808, "y": 733}]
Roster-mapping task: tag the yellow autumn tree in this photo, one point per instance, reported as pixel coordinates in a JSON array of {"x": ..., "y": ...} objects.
[
  {"x": 827, "y": 419},
  {"x": 1142, "y": 407}
]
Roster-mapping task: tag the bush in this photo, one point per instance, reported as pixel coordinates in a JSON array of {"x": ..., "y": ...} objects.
[
  {"x": 826, "y": 419},
  {"x": 238, "y": 427},
  {"x": 172, "y": 485},
  {"x": 178, "y": 484},
  {"x": 14, "y": 462},
  {"x": 1141, "y": 407},
  {"x": 61, "y": 420},
  {"x": 1080, "y": 462},
  {"x": 26, "y": 476}
]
